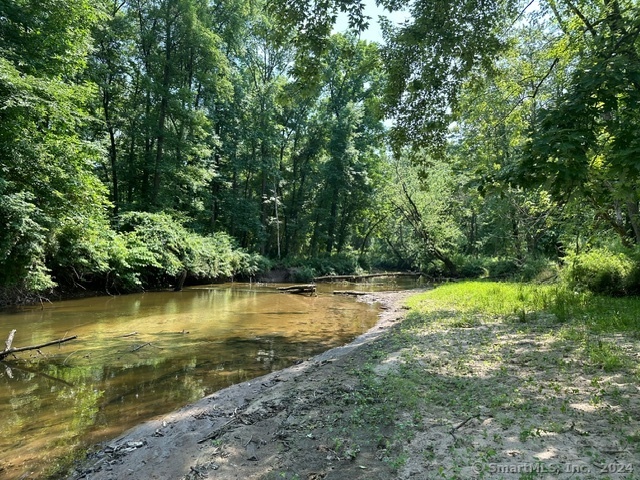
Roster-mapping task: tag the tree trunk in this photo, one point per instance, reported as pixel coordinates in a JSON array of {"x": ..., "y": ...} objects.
[
  {"x": 634, "y": 216},
  {"x": 164, "y": 103},
  {"x": 180, "y": 282}
]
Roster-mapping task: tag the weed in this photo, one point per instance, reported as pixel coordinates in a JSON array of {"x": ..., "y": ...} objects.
[
  {"x": 527, "y": 433},
  {"x": 606, "y": 356},
  {"x": 398, "y": 462},
  {"x": 489, "y": 299}
]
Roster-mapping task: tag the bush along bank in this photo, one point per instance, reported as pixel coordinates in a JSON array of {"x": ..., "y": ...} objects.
[{"x": 145, "y": 251}]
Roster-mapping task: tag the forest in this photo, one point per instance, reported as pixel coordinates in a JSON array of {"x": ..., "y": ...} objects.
[{"x": 145, "y": 142}]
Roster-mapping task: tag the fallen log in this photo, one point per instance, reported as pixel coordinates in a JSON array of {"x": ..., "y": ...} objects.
[
  {"x": 354, "y": 293},
  {"x": 298, "y": 289},
  {"x": 9, "y": 350}
]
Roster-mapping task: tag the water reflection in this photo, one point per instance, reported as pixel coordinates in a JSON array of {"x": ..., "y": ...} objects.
[{"x": 139, "y": 356}]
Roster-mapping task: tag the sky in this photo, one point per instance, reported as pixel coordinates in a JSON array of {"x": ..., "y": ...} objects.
[{"x": 373, "y": 33}]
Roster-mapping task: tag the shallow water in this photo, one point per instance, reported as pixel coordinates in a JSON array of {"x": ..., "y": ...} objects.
[{"x": 186, "y": 345}]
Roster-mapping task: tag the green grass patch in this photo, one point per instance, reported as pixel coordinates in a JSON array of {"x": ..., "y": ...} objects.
[{"x": 524, "y": 302}]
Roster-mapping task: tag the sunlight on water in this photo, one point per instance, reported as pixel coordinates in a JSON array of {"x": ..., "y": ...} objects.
[{"x": 186, "y": 345}]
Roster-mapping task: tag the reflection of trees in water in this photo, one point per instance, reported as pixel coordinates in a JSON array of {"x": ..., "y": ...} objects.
[
  {"x": 49, "y": 410},
  {"x": 266, "y": 355}
]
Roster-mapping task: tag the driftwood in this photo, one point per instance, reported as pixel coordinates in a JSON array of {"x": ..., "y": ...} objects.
[
  {"x": 354, "y": 293},
  {"x": 9, "y": 350},
  {"x": 355, "y": 278},
  {"x": 236, "y": 416},
  {"x": 219, "y": 431},
  {"x": 135, "y": 349},
  {"x": 298, "y": 289}
]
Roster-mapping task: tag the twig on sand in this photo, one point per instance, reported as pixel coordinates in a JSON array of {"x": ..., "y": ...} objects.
[{"x": 460, "y": 425}]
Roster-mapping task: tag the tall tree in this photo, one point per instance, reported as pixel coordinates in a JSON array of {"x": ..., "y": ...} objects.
[
  {"x": 349, "y": 110},
  {"x": 162, "y": 70},
  {"x": 585, "y": 142},
  {"x": 46, "y": 162}
]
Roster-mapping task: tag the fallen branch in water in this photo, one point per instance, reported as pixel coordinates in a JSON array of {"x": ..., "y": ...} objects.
[
  {"x": 354, "y": 293},
  {"x": 140, "y": 346},
  {"x": 298, "y": 289},
  {"x": 9, "y": 350}
]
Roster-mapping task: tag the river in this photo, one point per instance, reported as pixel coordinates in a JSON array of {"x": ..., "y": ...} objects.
[{"x": 142, "y": 355}]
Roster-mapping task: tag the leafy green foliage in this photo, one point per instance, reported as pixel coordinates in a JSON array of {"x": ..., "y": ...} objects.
[
  {"x": 22, "y": 243},
  {"x": 46, "y": 162},
  {"x": 431, "y": 56},
  {"x": 46, "y": 37},
  {"x": 141, "y": 140},
  {"x": 584, "y": 140},
  {"x": 305, "y": 269},
  {"x": 420, "y": 231},
  {"x": 148, "y": 251},
  {"x": 173, "y": 249},
  {"x": 599, "y": 271}
]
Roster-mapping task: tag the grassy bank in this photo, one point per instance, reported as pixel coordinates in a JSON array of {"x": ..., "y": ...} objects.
[{"x": 497, "y": 380}]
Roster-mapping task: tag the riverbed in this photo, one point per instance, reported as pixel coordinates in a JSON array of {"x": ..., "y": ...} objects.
[{"x": 140, "y": 356}]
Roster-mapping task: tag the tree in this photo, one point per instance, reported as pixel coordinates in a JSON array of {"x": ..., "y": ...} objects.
[
  {"x": 162, "y": 72},
  {"x": 584, "y": 142},
  {"x": 421, "y": 230},
  {"x": 429, "y": 58},
  {"x": 252, "y": 139},
  {"x": 352, "y": 121},
  {"x": 46, "y": 162}
]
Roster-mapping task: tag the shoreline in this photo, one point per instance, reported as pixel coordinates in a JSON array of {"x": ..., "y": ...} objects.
[
  {"x": 188, "y": 442},
  {"x": 444, "y": 390}
]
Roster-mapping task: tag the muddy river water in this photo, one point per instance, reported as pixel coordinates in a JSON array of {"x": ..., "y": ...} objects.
[{"x": 139, "y": 356}]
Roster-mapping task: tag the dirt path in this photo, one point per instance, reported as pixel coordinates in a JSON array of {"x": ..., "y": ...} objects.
[{"x": 287, "y": 421}]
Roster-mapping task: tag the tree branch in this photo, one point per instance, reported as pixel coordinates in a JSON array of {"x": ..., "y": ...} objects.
[{"x": 8, "y": 350}]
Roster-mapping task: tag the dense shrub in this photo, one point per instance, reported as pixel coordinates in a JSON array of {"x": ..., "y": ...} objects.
[
  {"x": 336, "y": 264},
  {"x": 23, "y": 241},
  {"x": 177, "y": 249},
  {"x": 538, "y": 269},
  {"x": 530, "y": 269},
  {"x": 150, "y": 250},
  {"x": 503, "y": 268},
  {"x": 470, "y": 267},
  {"x": 302, "y": 274},
  {"x": 632, "y": 280},
  {"x": 600, "y": 271}
]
